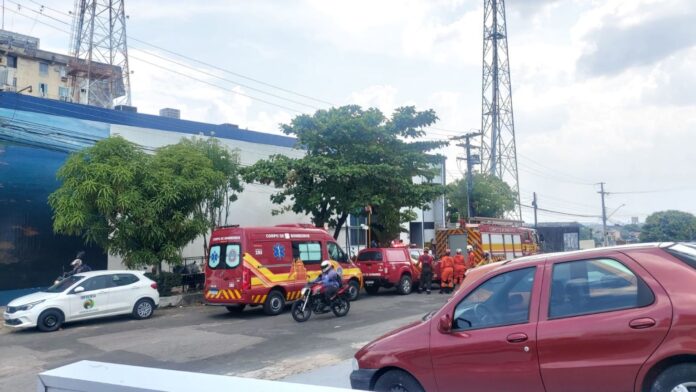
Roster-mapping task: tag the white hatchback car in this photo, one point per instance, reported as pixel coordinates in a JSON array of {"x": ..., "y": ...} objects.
[{"x": 84, "y": 296}]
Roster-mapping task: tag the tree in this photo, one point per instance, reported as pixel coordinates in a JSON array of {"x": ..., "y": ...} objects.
[
  {"x": 491, "y": 197},
  {"x": 142, "y": 207},
  {"x": 669, "y": 225},
  {"x": 354, "y": 158},
  {"x": 216, "y": 208}
]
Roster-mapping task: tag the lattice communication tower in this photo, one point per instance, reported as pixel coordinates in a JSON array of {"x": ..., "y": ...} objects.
[
  {"x": 498, "y": 150},
  {"x": 100, "y": 71}
]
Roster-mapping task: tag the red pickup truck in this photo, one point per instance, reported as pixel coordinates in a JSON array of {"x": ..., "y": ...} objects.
[{"x": 388, "y": 267}]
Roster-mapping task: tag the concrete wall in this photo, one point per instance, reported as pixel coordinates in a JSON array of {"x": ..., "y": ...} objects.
[{"x": 27, "y": 74}]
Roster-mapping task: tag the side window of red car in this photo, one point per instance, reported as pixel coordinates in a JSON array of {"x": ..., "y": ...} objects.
[
  {"x": 501, "y": 300},
  {"x": 595, "y": 286}
]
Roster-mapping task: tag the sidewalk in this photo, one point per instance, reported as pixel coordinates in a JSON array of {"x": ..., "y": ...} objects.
[{"x": 330, "y": 376}]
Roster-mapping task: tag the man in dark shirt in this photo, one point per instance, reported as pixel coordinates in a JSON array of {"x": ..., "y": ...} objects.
[{"x": 425, "y": 261}]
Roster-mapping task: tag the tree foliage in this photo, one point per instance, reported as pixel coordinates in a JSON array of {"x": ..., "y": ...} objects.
[
  {"x": 216, "y": 207},
  {"x": 491, "y": 197},
  {"x": 354, "y": 157},
  {"x": 145, "y": 208},
  {"x": 669, "y": 225}
]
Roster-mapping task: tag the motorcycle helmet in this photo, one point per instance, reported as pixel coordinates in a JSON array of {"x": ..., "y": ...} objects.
[
  {"x": 469, "y": 248},
  {"x": 325, "y": 266}
]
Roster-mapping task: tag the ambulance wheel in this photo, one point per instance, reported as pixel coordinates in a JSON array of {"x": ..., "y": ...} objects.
[
  {"x": 275, "y": 303},
  {"x": 397, "y": 380},
  {"x": 353, "y": 290},
  {"x": 235, "y": 308},
  {"x": 372, "y": 289}
]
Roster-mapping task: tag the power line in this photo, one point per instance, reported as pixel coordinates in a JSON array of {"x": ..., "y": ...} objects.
[
  {"x": 191, "y": 59},
  {"x": 208, "y": 64},
  {"x": 180, "y": 73},
  {"x": 560, "y": 212}
]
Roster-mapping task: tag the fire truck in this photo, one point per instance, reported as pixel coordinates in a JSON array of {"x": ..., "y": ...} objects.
[{"x": 503, "y": 239}]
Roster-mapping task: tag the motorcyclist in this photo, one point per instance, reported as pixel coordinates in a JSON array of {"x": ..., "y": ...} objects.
[
  {"x": 78, "y": 265},
  {"x": 330, "y": 280}
]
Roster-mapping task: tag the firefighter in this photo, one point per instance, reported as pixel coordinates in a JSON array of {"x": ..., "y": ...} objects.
[
  {"x": 471, "y": 259},
  {"x": 447, "y": 273},
  {"x": 425, "y": 263},
  {"x": 459, "y": 267}
]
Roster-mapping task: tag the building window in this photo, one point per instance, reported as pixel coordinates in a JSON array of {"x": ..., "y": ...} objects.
[
  {"x": 358, "y": 236},
  {"x": 43, "y": 68},
  {"x": 14, "y": 82},
  {"x": 43, "y": 89},
  {"x": 12, "y": 61},
  {"x": 63, "y": 93}
]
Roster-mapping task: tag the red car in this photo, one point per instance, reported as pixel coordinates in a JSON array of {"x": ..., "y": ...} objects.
[
  {"x": 388, "y": 267},
  {"x": 603, "y": 320}
]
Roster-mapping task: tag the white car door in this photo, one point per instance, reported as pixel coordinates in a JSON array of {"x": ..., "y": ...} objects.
[
  {"x": 93, "y": 301},
  {"x": 125, "y": 292}
]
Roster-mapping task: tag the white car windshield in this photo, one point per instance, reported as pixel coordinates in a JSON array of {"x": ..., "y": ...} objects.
[{"x": 64, "y": 284}]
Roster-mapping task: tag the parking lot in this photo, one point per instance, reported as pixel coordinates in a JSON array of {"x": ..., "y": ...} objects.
[{"x": 210, "y": 340}]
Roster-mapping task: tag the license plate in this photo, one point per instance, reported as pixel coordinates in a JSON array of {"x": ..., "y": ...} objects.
[
  {"x": 213, "y": 291},
  {"x": 375, "y": 274},
  {"x": 369, "y": 283}
]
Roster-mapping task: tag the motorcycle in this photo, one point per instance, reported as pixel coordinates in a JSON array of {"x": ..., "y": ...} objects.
[{"x": 312, "y": 300}]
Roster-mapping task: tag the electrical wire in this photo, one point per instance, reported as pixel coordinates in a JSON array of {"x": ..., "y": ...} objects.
[
  {"x": 561, "y": 213},
  {"x": 204, "y": 63}
]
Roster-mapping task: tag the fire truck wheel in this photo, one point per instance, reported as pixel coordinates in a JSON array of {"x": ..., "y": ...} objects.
[
  {"x": 275, "y": 302},
  {"x": 405, "y": 286},
  {"x": 353, "y": 290},
  {"x": 236, "y": 308}
]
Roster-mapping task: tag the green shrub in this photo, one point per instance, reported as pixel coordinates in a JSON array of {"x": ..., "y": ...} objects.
[{"x": 166, "y": 281}]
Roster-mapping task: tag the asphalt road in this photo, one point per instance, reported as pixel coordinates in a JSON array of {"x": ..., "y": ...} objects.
[{"x": 210, "y": 340}]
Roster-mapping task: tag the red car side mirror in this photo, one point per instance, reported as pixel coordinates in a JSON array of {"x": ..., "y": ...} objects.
[{"x": 445, "y": 324}]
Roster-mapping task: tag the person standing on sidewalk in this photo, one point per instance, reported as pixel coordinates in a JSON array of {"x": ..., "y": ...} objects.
[
  {"x": 447, "y": 273},
  {"x": 459, "y": 267},
  {"x": 425, "y": 262}
]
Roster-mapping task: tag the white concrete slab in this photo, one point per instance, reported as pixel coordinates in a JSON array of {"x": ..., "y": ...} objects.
[
  {"x": 87, "y": 376},
  {"x": 337, "y": 376}
]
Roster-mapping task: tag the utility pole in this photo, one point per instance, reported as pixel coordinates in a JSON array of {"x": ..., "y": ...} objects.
[
  {"x": 604, "y": 214},
  {"x": 470, "y": 162},
  {"x": 534, "y": 204}
]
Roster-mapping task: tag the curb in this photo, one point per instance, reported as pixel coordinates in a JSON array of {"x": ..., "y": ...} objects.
[{"x": 181, "y": 300}]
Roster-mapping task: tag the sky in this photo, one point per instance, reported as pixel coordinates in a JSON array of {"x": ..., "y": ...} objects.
[{"x": 603, "y": 90}]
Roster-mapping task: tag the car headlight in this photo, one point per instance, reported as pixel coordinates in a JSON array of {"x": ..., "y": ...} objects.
[
  {"x": 29, "y": 306},
  {"x": 354, "y": 364}
]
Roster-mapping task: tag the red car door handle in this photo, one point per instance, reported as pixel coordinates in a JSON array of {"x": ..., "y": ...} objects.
[
  {"x": 517, "y": 338},
  {"x": 642, "y": 323}
]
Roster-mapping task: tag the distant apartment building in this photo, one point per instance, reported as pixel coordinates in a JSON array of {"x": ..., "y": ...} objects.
[{"x": 25, "y": 68}]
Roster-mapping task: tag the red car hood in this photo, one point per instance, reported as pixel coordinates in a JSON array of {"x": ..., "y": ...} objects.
[{"x": 394, "y": 334}]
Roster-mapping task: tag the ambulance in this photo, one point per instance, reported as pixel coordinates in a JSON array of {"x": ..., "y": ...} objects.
[{"x": 269, "y": 266}]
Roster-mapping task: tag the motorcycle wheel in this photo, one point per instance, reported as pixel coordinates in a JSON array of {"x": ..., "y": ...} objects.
[
  {"x": 340, "y": 307},
  {"x": 297, "y": 312}
]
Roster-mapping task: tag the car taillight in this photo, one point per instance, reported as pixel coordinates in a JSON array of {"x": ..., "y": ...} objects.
[
  {"x": 246, "y": 279},
  {"x": 154, "y": 285},
  {"x": 386, "y": 267}
]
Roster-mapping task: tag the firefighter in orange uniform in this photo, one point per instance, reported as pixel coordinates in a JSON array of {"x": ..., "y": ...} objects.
[
  {"x": 472, "y": 261},
  {"x": 459, "y": 267},
  {"x": 447, "y": 273}
]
